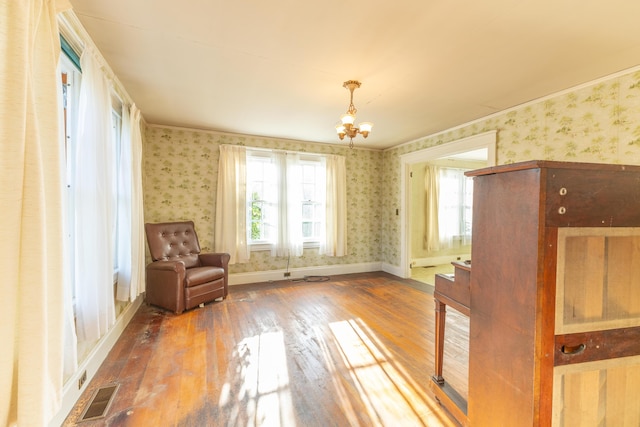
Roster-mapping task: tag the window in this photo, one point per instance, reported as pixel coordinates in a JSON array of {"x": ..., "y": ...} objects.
[
  {"x": 71, "y": 77},
  {"x": 118, "y": 194},
  {"x": 70, "y": 80},
  {"x": 264, "y": 173},
  {"x": 261, "y": 197},
  {"x": 455, "y": 207},
  {"x": 313, "y": 196},
  {"x": 260, "y": 202}
]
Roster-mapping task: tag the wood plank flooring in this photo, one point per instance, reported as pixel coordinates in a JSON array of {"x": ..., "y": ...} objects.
[{"x": 356, "y": 350}]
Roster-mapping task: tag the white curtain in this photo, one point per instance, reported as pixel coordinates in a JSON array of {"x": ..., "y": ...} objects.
[
  {"x": 137, "y": 208},
  {"x": 449, "y": 207},
  {"x": 123, "y": 240},
  {"x": 335, "y": 242},
  {"x": 289, "y": 176},
  {"x": 31, "y": 167},
  {"x": 231, "y": 204},
  {"x": 130, "y": 212},
  {"x": 432, "y": 194},
  {"x": 94, "y": 193}
]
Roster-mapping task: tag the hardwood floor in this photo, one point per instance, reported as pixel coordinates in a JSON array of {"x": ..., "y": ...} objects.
[
  {"x": 356, "y": 350},
  {"x": 428, "y": 274}
]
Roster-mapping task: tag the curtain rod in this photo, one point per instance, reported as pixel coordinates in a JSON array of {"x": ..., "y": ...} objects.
[{"x": 276, "y": 150}]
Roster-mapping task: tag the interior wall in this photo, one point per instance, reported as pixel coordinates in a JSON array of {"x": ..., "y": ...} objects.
[
  {"x": 597, "y": 123},
  {"x": 180, "y": 169}
]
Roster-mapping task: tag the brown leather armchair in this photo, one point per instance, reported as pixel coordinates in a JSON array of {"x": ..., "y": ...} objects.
[{"x": 180, "y": 277}]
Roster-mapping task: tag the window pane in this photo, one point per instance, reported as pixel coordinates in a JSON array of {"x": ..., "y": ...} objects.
[
  {"x": 256, "y": 171},
  {"x": 255, "y": 190},
  {"x": 307, "y": 229},
  {"x": 308, "y": 173},
  {"x": 308, "y": 191},
  {"x": 269, "y": 231},
  {"x": 307, "y": 211},
  {"x": 256, "y": 220}
]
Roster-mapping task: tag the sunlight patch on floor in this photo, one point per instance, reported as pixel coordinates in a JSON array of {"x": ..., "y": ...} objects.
[
  {"x": 265, "y": 396},
  {"x": 390, "y": 395}
]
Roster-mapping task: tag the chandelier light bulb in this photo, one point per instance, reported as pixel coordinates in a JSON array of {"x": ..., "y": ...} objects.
[
  {"x": 348, "y": 119},
  {"x": 365, "y": 128}
]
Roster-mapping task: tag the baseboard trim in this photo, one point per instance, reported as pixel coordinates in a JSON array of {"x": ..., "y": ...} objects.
[
  {"x": 299, "y": 273},
  {"x": 439, "y": 260},
  {"x": 70, "y": 391},
  {"x": 393, "y": 269}
]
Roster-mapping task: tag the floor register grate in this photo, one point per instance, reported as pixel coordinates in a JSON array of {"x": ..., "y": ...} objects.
[{"x": 99, "y": 403}]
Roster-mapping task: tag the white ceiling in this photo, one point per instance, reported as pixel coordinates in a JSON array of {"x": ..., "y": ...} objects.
[{"x": 275, "y": 68}]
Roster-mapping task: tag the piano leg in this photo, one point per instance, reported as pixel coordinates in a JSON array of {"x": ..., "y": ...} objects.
[{"x": 441, "y": 312}]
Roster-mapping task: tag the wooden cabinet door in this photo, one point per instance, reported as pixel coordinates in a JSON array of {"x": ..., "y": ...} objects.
[{"x": 602, "y": 393}]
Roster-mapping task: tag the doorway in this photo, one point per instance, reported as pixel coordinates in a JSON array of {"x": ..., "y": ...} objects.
[{"x": 477, "y": 146}]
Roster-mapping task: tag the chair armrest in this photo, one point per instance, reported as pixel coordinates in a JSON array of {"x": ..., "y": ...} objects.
[
  {"x": 165, "y": 284},
  {"x": 216, "y": 259},
  {"x": 177, "y": 266}
]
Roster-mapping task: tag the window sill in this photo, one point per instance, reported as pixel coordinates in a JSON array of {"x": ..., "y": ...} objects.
[{"x": 257, "y": 247}]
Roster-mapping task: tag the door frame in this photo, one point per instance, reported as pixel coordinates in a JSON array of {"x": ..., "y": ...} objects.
[{"x": 483, "y": 140}]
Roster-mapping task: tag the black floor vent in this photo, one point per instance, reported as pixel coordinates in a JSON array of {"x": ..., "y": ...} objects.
[{"x": 99, "y": 403}]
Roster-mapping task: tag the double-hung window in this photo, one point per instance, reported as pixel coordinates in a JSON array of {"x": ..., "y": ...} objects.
[
  {"x": 261, "y": 198},
  {"x": 313, "y": 200},
  {"x": 455, "y": 207},
  {"x": 70, "y": 80},
  {"x": 92, "y": 198},
  {"x": 303, "y": 180},
  {"x": 281, "y": 201}
]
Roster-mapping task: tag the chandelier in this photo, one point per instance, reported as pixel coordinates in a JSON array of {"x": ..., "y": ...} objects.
[{"x": 346, "y": 126}]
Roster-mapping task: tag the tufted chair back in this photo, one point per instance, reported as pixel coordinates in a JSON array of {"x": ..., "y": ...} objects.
[{"x": 173, "y": 241}]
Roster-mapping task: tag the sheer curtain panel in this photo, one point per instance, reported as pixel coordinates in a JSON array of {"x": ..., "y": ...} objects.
[
  {"x": 289, "y": 235},
  {"x": 431, "y": 201},
  {"x": 335, "y": 242},
  {"x": 137, "y": 208},
  {"x": 31, "y": 165},
  {"x": 130, "y": 212},
  {"x": 231, "y": 204},
  {"x": 123, "y": 229},
  {"x": 94, "y": 194}
]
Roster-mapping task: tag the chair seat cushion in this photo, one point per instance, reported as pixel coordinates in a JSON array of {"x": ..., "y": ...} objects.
[{"x": 199, "y": 275}]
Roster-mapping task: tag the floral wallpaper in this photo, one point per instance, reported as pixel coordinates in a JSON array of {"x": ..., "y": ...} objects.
[
  {"x": 599, "y": 123},
  {"x": 180, "y": 182}
]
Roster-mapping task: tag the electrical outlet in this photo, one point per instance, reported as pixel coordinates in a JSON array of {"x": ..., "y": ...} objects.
[
  {"x": 287, "y": 274},
  {"x": 82, "y": 380}
]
